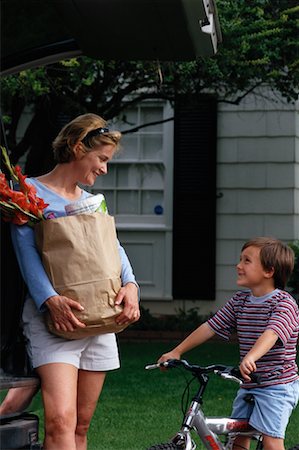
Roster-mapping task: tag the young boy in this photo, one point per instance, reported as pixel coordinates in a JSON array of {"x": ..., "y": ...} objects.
[{"x": 266, "y": 319}]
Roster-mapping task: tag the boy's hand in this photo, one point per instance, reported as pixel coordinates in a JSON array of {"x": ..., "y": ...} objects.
[
  {"x": 173, "y": 354},
  {"x": 246, "y": 367},
  {"x": 264, "y": 343}
]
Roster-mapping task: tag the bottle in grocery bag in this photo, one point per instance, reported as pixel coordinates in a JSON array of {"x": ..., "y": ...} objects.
[{"x": 94, "y": 203}]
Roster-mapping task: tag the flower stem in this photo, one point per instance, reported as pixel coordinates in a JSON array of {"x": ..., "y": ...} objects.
[{"x": 7, "y": 163}]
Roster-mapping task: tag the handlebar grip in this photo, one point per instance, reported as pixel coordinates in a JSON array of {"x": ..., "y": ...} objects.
[
  {"x": 152, "y": 366},
  {"x": 255, "y": 378},
  {"x": 161, "y": 364}
]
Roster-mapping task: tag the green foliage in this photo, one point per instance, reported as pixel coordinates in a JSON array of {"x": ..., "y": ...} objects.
[
  {"x": 261, "y": 33},
  {"x": 28, "y": 84},
  {"x": 294, "y": 279},
  {"x": 260, "y": 47},
  {"x": 182, "y": 321}
]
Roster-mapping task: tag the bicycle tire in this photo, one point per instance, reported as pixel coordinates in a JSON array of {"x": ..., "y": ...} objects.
[{"x": 166, "y": 446}]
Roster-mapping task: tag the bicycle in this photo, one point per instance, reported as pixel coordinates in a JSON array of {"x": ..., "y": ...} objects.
[{"x": 211, "y": 430}]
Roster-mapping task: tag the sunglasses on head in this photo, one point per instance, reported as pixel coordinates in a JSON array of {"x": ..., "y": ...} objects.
[{"x": 93, "y": 133}]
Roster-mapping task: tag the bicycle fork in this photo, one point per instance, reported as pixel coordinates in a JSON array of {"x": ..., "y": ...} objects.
[{"x": 194, "y": 419}]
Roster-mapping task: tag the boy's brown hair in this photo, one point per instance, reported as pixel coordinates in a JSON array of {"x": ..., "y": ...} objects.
[{"x": 274, "y": 254}]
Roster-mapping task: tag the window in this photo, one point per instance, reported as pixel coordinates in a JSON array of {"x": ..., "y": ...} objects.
[{"x": 139, "y": 177}]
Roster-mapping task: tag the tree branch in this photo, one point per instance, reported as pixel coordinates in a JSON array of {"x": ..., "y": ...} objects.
[
  {"x": 240, "y": 97},
  {"x": 149, "y": 124}
]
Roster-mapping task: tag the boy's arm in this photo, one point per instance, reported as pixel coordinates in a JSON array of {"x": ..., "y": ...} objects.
[
  {"x": 197, "y": 337},
  {"x": 264, "y": 343}
]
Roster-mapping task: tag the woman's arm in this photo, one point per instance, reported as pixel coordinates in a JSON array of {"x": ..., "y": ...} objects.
[
  {"x": 129, "y": 293},
  {"x": 127, "y": 275},
  {"x": 38, "y": 283},
  {"x": 33, "y": 272}
]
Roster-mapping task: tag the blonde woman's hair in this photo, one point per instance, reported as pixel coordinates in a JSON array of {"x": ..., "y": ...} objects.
[
  {"x": 90, "y": 129},
  {"x": 274, "y": 254}
]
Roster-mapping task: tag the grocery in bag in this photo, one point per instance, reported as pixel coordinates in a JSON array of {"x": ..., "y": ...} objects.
[{"x": 80, "y": 255}]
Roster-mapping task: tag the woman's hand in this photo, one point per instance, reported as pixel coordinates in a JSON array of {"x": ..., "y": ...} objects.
[
  {"x": 60, "y": 309},
  {"x": 128, "y": 296}
]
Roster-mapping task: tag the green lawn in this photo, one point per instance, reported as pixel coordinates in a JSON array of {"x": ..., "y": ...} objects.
[{"x": 139, "y": 408}]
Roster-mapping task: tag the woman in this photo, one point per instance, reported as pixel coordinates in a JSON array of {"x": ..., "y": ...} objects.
[{"x": 72, "y": 372}]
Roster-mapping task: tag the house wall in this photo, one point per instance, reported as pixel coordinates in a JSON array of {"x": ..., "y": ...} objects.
[
  {"x": 257, "y": 186},
  {"x": 258, "y": 175}
]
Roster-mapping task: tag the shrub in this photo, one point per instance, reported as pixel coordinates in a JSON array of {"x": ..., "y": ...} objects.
[
  {"x": 182, "y": 321},
  {"x": 293, "y": 283}
]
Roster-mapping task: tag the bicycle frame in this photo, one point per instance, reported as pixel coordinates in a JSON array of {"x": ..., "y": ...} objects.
[{"x": 207, "y": 428}]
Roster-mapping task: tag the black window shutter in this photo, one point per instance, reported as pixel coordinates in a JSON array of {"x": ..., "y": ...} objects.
[{"x": 194, "y": 199}]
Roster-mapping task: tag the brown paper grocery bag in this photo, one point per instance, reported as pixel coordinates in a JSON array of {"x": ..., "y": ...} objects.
[{"x": 81, "y": 258}]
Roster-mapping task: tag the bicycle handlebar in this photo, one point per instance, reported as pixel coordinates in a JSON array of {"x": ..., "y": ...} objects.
[{"x": 226, "y": 372}]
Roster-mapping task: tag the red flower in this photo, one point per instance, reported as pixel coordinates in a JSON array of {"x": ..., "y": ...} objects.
[
  {"x": 20, "y": 218},
  {"x": 23, "y": 206},
  {"x": 4, "y": 188}
]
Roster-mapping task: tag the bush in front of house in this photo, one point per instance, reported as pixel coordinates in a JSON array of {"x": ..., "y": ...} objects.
[
  {"x": 181, "y": 321},
  {"x": 293, "y": 284}
]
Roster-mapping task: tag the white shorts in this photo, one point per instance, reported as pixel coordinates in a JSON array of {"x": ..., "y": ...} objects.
[{"x": 96, "y": 353}]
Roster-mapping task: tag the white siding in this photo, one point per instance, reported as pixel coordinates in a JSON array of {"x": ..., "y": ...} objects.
[{"x": 258, "y": 177}]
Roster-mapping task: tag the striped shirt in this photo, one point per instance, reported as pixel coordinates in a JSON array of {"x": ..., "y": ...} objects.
[{"x": 250, "y": 316}]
